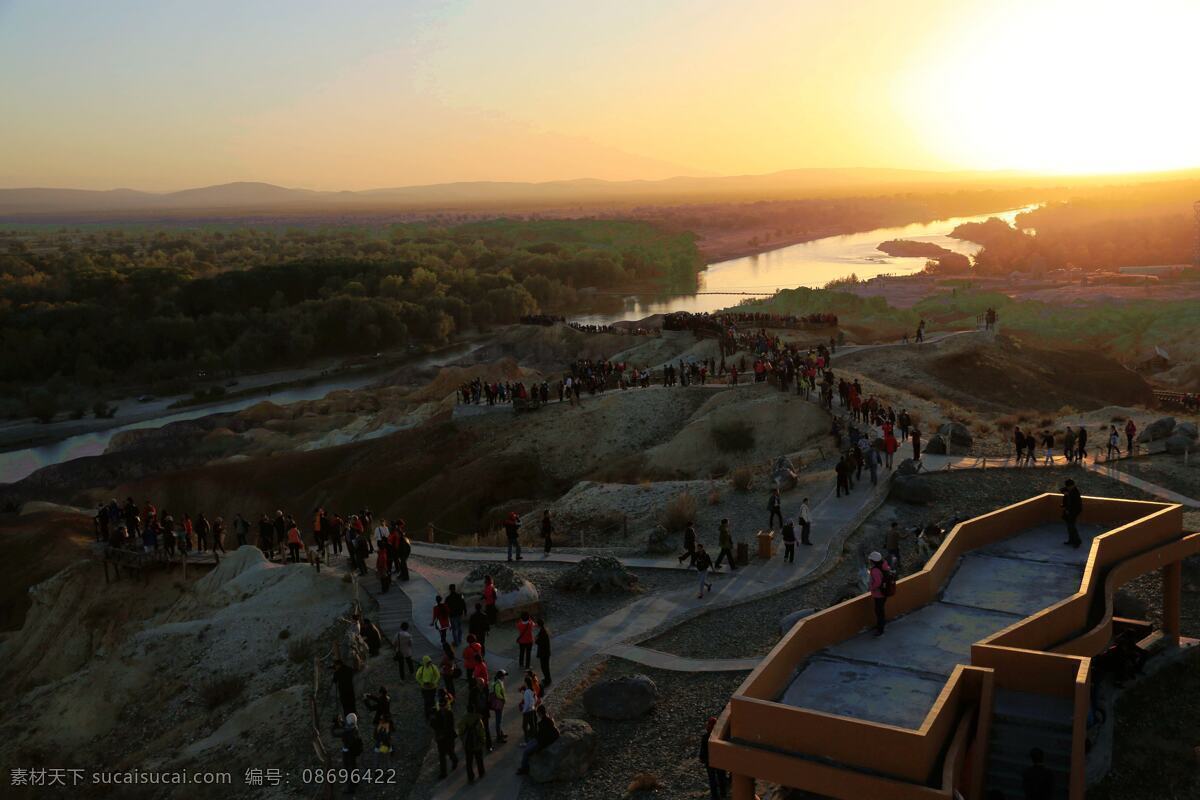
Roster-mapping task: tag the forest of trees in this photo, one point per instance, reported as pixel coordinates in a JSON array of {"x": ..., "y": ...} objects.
[
  {"x": 1124, "y": 227},
  {"x": 103, "y": 307}
]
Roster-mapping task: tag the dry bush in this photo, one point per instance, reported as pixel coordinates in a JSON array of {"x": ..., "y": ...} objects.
[
  {"x": 1046, "y": 423},
  {"x": 922, "y": 391},
  {"x": 303, "y": 650},
  {"x": 1026, "y": 416},
  {"x": 625, "y": 469},
  {"x": 733, "y": 436},
  {"x": 221, "y": 689},
  {"x": 983, "y": 429},
  {"x": 714, "y": 497},
  {"x": 742, "y": 479},
  {"x": 643, "y": 782},
  {"x": 1006, "y": 422},
  {"x": 680, "y": 512}
]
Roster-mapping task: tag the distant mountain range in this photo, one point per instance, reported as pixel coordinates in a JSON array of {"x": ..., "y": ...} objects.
[{"x": 267, "y": 198}]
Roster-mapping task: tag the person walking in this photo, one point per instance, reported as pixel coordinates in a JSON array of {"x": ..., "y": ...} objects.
[
  {"x": 478, "y": 626},
  {"x": 496, "y": 702},
  {"x": 525, "y": 637},
  {"x": 441, "y": 618},
  {"x": 871, "y": 456},
  {"x": 883, "y": 585},
  {"x": 1081, "y": 445},
  {"x": 717, "y": 778},
  {"x": 725, "y": 539},
  {"x": 689, "y": 546},
  {"x": 352, "y": 747},
  {"x": 1048, "y": 447},
  {"x": 383, "y": 569},
  {"x": 889, "y": 445},
  {"x": 788, "y": 533},
  {"x": 1130, "y": 432},
  {"x": 403, "y": 550},
  {"x": 1114, "y": 445},
  {"x": 842, "y": 472},
  {"x": 916, "y": 442},
  {"x": 472, "y": 733},
  {"x": 404, "y": 659},
  {"x": 442, "y": 723},
  {"x": 1072, "y": 506},
  {"x": 805, "y": 520},
  {"x": 241, "y": 529},
  {"x": 343, "y": 679},
  {"x": 428, "y": 677},
  {"x": 547, "y": 531},
  {"x": 512, "y": 532},
  {"x": 775, "y": 506},
  {"x": 294, "y": 542},
  {"x": 489, "y": 600},
  {"x": 1069, "y": 445},
  {"x": 543, "y": 650},
  {"x": 702, "y": 563},
  {"x": 456, "y": 605}
]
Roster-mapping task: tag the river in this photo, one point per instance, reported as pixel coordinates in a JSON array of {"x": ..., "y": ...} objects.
[
  {"x": 18, "y": 464},
  {"x": 812, "y": 264}
]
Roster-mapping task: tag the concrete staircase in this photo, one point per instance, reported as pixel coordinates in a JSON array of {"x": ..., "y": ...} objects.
[{"x": 1021, "y": 722}]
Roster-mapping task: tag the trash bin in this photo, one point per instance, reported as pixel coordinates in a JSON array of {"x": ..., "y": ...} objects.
[
  {"x": 743, "y": 554},
  {"x": 764, "y": 544}
]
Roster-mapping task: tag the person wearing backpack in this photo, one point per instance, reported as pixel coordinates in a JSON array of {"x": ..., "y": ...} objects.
[
  {"x": 789, "y": 542},
  {"x": 442, "y": 723},
  {"x": 883, "y": 586}
]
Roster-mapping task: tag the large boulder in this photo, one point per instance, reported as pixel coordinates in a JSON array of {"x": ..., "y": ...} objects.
[
  {"x": 1159, "y": 429},
  {"x": 911, "y": 489},
  {"x": 788, "y": 621},
  {"x": 569, "y": 758},
  {"x": 907, "y": 467},
  {"x": 936, "y": 446},
  {"x": 956, "y": 435},
  {"x": 1178, "y": 444},
  {"x": 627, "y": 697},
  {"x": 514, "y": 594},
  {"x": 599, "y": 574},
  {"x": 1187, "y": 429},
  {"x": 784, "y": 474}
]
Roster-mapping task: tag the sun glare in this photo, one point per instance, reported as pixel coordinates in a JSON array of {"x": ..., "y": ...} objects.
[{"x": 1065, "y": 87}]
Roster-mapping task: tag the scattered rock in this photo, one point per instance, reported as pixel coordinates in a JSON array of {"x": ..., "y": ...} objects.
[
  {"x": 936, "y": 446},
  {"x": 907, "y": 467},
  {"x": 911, "y": 489},
  {"x": 1159, "y": 429},
  {"x": 788, "y": 621},
  {"x": 598, "y": 574},
  {"x": 627, "y": 697},
  {"x": 569, "y": 758},
  {"x": 1178, "y": 444},
  {"x": 784, "y": 474},
  {"x": 957, "y": 435},
  {"x": 514, "y": 594}
]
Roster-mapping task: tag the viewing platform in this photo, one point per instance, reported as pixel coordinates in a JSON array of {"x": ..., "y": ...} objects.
[{"x": 988, "y": 652}]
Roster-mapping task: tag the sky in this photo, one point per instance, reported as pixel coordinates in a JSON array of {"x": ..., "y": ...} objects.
[{"x": 361, "y": 94}]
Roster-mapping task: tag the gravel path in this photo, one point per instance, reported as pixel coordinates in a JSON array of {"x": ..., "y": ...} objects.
[
  {"x": 663, "y": 744},
  {"x": 752, "y": 629}
]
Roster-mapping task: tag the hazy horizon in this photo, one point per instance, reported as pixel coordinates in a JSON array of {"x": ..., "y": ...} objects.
[{"x": 167, "y": 96}]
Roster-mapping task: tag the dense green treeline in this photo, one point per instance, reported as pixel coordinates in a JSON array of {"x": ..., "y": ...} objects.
[{"x": 103, "y": 307}]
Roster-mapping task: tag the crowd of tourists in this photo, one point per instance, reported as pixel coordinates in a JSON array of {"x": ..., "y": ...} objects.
[{"x": 495, "y": 393}]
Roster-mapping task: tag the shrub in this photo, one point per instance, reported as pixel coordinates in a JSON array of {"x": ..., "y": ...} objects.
[
  {"x": 285, "y": 633},
  {"x": 742, "y": 479},
  {"x": 679, "y": 512},
  {"x": 221, "y": 689},
  {"x": 643, "y": 782},
  {"x": 733, "y": 436},
  {"x": 714, "y": 498},
  {"x": 303, "y": 650}
]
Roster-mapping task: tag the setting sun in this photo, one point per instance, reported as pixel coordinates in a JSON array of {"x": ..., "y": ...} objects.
[{"x": 1064, "y": 86}]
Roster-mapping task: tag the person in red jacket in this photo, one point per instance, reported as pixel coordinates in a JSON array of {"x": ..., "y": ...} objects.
[
  {"x": 525, "y": 636},
  {"x": 881, "y": 580},
  {"x": 489, "y": 599},
  {"x": 441, "y": 618}
]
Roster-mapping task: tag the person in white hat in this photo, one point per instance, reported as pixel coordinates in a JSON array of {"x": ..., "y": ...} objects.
[{"x": 883, "y": 585}]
